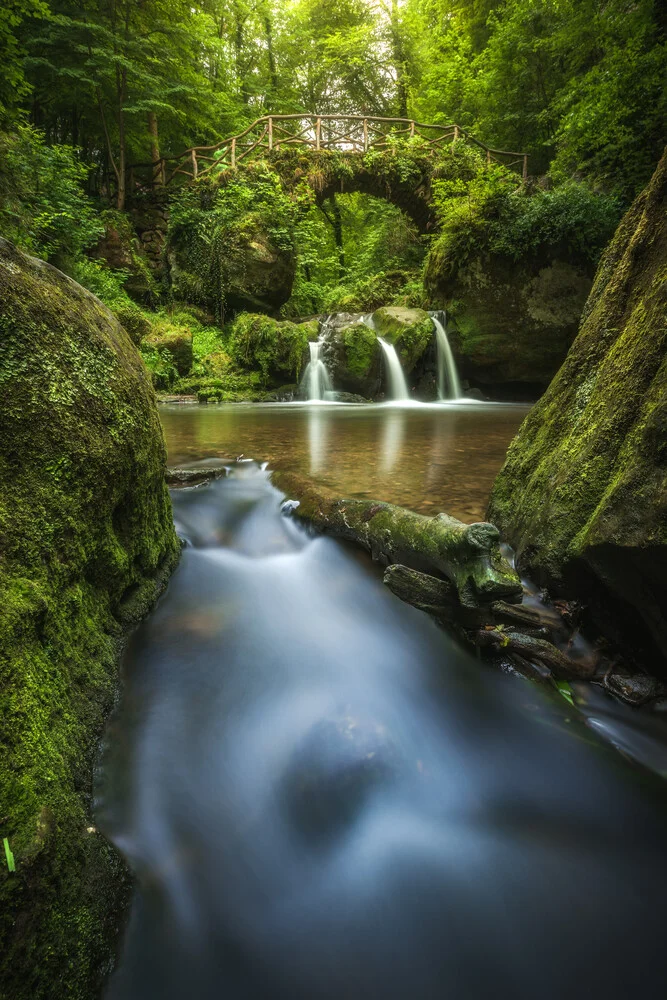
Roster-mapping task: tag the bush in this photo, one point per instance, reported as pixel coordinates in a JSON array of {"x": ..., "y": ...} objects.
[{"x": 490, "y": 214}]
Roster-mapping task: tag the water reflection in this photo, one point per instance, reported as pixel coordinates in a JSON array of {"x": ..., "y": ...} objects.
[
  {"x": 317, "y": 431},
  {"x": 380, "y": 451},
  {"x": 393, "y": 434},
  {"x": 323, "y": 798}
]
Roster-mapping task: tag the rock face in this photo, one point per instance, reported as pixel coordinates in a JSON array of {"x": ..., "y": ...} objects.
[
  {"x": 121, "y": 249},
  {"x": 86, "y": 536},
  {"x": 354, "y": 356},
  {"x": 583, "y": 493},
  {"x": 240, "y": 267},
  {"x": 514, "y": 323}
]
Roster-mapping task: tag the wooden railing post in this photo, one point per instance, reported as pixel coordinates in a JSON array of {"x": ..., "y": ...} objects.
[
  {"x": 234, "y": 151},
  {"x": 194, "y": 165},
  {"x": 270, "y": 133},
  {"x": 318, "y": 133},
  {"x": 525, "y": 167},
  {"x": 365, "y": 135},
  {"x": 412, "y": 130},
  {"x": 456, "y": 133}
]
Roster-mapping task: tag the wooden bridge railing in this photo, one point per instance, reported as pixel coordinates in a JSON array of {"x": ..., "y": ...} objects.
[{"x": 345, "y": 133}]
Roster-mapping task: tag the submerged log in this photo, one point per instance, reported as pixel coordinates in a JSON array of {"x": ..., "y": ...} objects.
[{"x": 468, "y": 555}]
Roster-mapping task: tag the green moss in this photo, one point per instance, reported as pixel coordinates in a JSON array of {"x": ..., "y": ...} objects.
[
  {"x": 360, "y": 349},
  {"x": 582, "y": 494},
  {"x": 276, "y": 348},
  {"x": 409, "y": 330},
  {"x": 85, "y": 520}
]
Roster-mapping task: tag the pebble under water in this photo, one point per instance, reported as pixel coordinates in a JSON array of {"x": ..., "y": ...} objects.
[{"x": 323, "y": 797}]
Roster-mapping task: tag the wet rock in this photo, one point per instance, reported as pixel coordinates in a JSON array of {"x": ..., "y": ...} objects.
[
  {"x": 635, "y": 689},
  {"x": 409, "y": 330},
  {"x": 511, "y": 323},
  {"x": 345, "y": 397}
]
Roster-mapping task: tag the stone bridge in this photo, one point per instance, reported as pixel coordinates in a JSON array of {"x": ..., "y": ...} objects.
[{"x": 334, "y": 153}]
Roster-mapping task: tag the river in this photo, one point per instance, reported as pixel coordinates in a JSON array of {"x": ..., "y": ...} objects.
[{"x": 322, "y": 796}]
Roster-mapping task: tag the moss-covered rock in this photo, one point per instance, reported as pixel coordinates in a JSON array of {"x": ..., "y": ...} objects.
[
  {"x": 352, "y": 354},
  {"x": 231, "y": 244},
  {"x": 409, "y": 330},
  {"x": 176, "y": 342},
  {"x": 121, "y": 249},
  {"x": 85, "y": 535},
  {"x": 514, "y": 322},
  {"x": 278, "y": 349},
  {"x": 583, "y": 493}
]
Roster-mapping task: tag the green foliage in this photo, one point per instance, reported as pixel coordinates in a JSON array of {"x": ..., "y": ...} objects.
[
  {"x": 42, "y": 205},
  {"x": 160, "y": 364},
  {"x": 490, "y": 214},
  {"x": 579, "y": 84}
]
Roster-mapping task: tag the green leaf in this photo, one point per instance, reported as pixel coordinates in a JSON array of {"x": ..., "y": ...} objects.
[{"x": 8, "y": 854}]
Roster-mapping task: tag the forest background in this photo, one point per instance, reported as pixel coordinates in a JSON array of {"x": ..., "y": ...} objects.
[{"x": 90, "y": 87}]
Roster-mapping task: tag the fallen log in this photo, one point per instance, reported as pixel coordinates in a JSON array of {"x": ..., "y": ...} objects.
[
  {"x": 432, "y": 595},
  {"x": 468, "y": 555},
  {"x": 530, "y": 648}
]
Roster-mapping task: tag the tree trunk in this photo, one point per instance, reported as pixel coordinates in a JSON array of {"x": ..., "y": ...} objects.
[
  {"x": 398, "y": 56},
  {"x": 468, "y": 555},
  {"x": 337, "y": 225},
  {"x": 157, "y": 178}
]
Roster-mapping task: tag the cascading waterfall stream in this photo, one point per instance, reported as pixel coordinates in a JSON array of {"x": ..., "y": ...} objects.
[
  {"x": 449, "y": 386},
  {"x": 323, "y": 797},
  {"x": 316, "y": 379},
  {"x": 398, "y": 387}
]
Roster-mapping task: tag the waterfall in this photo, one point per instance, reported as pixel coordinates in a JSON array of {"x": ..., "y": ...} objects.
[
  {"x": 316, "y": 381},
  {"x": 398, "y": 389},
  {"x": 449, "y": 386}
]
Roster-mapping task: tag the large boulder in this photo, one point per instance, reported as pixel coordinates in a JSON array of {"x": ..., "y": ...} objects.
[
  {"x": 583, "y": 492},
  {"x": 277, "y": 349},
  {"x": 354, "y": 356},
  {"x": 87, "y": 538},
  {"x": 514, "y": 323}
]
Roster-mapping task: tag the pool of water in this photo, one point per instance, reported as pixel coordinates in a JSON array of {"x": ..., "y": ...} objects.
[{"x": 428, "y": 458}]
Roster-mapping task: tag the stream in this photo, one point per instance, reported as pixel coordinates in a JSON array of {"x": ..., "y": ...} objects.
[{"x": 322, "y": 796}]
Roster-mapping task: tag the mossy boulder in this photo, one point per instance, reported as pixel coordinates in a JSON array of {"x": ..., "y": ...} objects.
[
  {"x": 352, "y": 354},
  {"x": 277, "y": 349},
  {"x": 86, "y": 537},
  {"x": 227, "y": 257},
  {"x": 583, "y": 492},
  {"x": 409, "y": 330},
  {"x": 512, "y": 322},
  {"x": 175, "y": 342}
]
